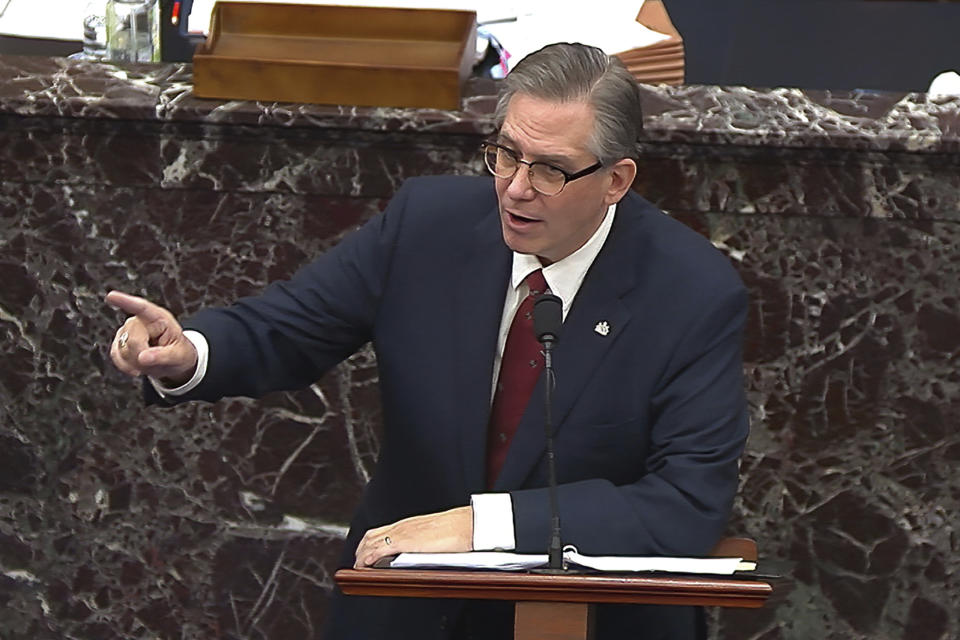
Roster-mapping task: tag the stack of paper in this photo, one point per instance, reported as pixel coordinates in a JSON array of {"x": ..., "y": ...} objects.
[
  {"x": 659, "y": 62},
  {"x": 503, "y": 561},
  {"x": 639, "y": 33}
]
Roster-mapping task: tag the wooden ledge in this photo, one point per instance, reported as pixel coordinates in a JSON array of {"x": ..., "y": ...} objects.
[{"x": 495, "y": 585}]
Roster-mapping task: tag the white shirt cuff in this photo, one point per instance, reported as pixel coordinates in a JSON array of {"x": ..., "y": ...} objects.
[
  {"x": 203, "y": 353},
  {"x": 493, "y": 522}
]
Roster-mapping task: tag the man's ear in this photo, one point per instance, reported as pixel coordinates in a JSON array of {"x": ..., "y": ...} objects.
[{"x": 622, "y": 175}]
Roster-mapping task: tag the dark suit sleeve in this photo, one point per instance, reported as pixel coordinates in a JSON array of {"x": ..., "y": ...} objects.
[
  {"x": 698, "y": 427},
  {"x": 288, "y": 336}
]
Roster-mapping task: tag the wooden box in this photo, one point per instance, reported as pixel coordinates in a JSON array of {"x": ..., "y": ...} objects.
[{"x": 336, "y": 55}]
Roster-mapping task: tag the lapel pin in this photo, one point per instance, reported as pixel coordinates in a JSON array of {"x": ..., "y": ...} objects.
[{"x": 602, "y": 328}]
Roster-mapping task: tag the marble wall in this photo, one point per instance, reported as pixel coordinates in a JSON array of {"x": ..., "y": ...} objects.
[{"x": 221, "y": 521}]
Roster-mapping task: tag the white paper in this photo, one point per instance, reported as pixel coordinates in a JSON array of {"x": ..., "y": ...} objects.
[
  {"x": 500, "y": 560},
  {"x": 54, "y": 19},
  {"x": 718, "y": 566},
  {"x": 614, "y": 29},
  {"x": 503, "y": 561}
]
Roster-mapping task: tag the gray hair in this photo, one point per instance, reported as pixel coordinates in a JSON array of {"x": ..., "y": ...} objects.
[{"x": 566, "y": 72}]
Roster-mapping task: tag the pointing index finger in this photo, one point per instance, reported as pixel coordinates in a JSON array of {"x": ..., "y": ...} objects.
[{"x": 135, "y": 306}]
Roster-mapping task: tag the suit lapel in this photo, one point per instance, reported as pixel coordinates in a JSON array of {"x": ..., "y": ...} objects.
[
  {"x": 584, "y": 342},
  {"x": 479, "y": 299}
]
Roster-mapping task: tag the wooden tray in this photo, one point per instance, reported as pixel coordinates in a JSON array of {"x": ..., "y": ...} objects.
[{"x": 336, "y": 55}]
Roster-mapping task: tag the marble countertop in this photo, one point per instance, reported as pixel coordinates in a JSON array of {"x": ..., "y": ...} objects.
[{"x": 698, "y": 115}]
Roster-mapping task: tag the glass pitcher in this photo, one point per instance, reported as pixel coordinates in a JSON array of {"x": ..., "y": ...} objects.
[{"x": 133, "y": 30}]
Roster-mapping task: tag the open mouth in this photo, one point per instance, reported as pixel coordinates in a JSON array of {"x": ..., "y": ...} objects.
[{"x": 520, "y": 219}]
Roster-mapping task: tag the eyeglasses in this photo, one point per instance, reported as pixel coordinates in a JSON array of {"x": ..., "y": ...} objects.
[{"x": 545, "y": 178}]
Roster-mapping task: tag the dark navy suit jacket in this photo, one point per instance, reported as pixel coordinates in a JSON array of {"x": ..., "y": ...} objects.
[{"x": 650, "y": 416}]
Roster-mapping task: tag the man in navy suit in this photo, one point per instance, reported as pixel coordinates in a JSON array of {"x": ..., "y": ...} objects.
[{"x": 649, "y": 414}]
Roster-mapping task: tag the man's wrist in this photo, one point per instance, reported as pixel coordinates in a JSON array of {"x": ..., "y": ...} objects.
[
  {"x": 166, "y": 389},
  {"x": 182, "y": 379}
]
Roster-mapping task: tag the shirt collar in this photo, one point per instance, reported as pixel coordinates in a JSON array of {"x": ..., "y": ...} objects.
[{"x": 565, "y": 276}]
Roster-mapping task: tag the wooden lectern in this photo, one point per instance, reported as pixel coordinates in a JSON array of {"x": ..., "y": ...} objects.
[{"x": 560, "y": 607}]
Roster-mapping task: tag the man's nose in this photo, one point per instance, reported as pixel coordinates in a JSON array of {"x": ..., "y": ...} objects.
[{"x": 520, "y": 187}]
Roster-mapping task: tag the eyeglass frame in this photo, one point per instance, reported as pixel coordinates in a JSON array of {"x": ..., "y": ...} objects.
[{"x": 567, "y": 176}]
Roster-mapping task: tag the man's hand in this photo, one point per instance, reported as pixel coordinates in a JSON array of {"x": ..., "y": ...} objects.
[
  {"x": 151, "y": 342},
  {"x": 448, "y": 531}
]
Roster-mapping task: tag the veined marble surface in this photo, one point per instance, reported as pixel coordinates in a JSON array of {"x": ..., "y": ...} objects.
[
  {"x": 223, "y": 521},
  {"x": 779, "y": 117}
]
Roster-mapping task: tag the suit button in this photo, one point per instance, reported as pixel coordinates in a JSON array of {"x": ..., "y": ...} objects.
[{"x": 502, "y": 436}]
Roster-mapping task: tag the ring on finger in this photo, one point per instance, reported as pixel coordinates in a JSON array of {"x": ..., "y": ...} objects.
[{"x": 122, "y": 341}]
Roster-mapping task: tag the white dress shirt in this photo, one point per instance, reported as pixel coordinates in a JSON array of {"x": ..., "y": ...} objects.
[{"x": 492, "y": 512}]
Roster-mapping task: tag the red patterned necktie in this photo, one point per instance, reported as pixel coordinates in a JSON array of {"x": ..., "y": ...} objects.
[{"x": 519, "y": 369}]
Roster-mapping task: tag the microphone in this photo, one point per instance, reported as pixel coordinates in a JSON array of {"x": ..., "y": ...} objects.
[{"x": 547, "y": 318}]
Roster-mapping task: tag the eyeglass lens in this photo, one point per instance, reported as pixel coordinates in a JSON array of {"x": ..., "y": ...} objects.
[{"x": 543, "y": 178}]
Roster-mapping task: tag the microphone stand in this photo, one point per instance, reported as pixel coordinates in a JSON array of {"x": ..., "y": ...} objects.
[
  {"x": 555, "y": 549},
  {"x": 547, "y": 327}
]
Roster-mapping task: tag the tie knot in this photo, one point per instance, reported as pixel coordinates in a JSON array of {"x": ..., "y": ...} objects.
[{"x": 536, "y": 282}]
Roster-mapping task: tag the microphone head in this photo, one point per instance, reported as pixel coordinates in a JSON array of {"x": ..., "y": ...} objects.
[{"x": 547, "y": 317}]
